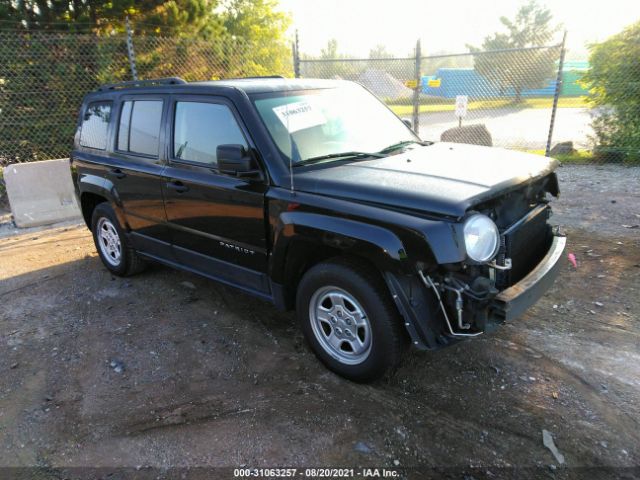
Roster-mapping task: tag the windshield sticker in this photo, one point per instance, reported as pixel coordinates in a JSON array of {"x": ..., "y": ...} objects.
[{"x": 299, "y": 115}]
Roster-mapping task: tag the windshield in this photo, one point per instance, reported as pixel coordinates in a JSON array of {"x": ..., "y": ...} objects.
[{"x": 325, "y": 123}]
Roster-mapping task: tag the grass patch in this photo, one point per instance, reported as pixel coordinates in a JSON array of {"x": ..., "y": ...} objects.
[
  {"x": 580, "y": 157},
  {"x": 448, "y": 105}
]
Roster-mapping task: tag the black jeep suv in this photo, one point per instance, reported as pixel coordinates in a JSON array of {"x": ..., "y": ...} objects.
[{"x": 313, "y": 195}]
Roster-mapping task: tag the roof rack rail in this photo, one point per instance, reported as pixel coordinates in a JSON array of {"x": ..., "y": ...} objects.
[
  {"x": 252, "y": 78},
  {"x": 142, "y": 83}
]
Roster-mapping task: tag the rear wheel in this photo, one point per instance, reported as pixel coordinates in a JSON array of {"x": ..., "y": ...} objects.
[
  {"x": 114, "y": 248},
  {"x": 349, "y": 319}
]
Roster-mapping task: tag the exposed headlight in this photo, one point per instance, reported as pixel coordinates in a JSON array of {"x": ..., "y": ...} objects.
[{"x": 481, "y": 238}]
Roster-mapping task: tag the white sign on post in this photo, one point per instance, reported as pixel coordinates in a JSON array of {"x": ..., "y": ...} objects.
[{"x": 461, "y": 105}]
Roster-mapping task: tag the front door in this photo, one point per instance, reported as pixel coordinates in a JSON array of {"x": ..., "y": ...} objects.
[{"x": 217, "y": 221}]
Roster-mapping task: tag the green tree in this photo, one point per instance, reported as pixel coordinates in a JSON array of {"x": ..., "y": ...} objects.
[
  {"x": 524, "y": 69},
  {"x": 379, "y": 51},
  {"x": 173, "y": 17},
  {"x": 42, "y": 87},
  {"x": 330, "y": 52},
  {"x": 253, "y": 20},
  {"x": 244, "y": 37},
  {"x": 331, "y": 64},
  {"x": 379, "y": 59},
  {"x": 614, "y": 83},
  {"x": 263, "y": 27}
]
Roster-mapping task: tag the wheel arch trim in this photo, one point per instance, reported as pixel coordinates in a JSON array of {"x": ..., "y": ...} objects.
[
  {"x": 102, "y": 187},
  {"x": 338, "y": 233}
]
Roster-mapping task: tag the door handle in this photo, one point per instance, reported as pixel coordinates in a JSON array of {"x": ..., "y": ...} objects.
[
  {"x": 177, "y": 186},
  {"x": 116, "y": 172}
]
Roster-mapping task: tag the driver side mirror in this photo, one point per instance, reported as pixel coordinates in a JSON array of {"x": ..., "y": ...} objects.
[
  {"x": 408, "y": 123},
  {"x": 236, "y": 160}
]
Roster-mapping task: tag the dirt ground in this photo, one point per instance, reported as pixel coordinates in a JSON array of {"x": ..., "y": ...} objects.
[{"x": 166, "y": 374}]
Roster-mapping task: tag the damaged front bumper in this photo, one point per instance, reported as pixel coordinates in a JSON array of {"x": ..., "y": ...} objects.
[
  {"x": 515, "y": 300},
  {"x": 473, "y": 313},
  {"x": 440, "y": 310}
]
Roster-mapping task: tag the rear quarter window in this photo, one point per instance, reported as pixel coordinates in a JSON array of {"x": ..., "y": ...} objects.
[{"x": 95, "y": 122}]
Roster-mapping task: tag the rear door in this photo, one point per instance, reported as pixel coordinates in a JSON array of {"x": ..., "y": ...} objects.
[
  {"x": 136, "y": 171},
  {"x": 217, "y": 221}
]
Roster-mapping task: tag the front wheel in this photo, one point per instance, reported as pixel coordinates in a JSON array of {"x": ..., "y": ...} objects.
[{"x": 349, "y": 319}]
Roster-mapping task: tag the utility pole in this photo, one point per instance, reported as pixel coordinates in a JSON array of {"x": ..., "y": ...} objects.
[
  {"x": 296, "y": 56},
  {"x": 556, "y": 95},
  {"x": 416, "y": 91},
  {"x": 130, "y": 52}
]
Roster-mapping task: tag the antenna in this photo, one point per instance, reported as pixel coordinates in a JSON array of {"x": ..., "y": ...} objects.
[{"x": 293, "y": 191}]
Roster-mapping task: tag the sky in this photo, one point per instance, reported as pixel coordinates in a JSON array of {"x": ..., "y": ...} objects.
[{"x": 443, "y": 25}]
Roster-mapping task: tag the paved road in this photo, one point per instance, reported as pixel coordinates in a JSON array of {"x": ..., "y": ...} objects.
[{"x": 510, "y": 127}]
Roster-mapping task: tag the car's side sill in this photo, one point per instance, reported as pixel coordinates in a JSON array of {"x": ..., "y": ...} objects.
[
  {"x": 178, "y": 266},
  {"x": 221, "y": 269}
]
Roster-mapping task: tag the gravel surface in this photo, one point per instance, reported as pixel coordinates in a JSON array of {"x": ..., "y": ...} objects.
[
  {"x": 167, "y": 370},
  {"x": 602, "y": 199}
]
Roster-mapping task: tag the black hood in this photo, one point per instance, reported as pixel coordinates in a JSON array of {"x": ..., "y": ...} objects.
[{"x": 444, "y": 178}]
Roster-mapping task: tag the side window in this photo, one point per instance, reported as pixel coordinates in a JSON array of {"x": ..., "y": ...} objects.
[
  {"x": 123, "y": 129},
  {"x": 200, "y": 127},
  {"x": 93, "y": 133},
  {"x": 139, "y": 129}
]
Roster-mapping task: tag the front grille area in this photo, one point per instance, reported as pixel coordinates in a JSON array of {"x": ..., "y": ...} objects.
[{"x": 525, "y": 242}]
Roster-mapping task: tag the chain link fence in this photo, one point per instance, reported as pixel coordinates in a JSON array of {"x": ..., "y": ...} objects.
[
  {"x": 44, "y": 76},
  {"x": 502, "y": 98},
  {"x": 527, "y": 99}
]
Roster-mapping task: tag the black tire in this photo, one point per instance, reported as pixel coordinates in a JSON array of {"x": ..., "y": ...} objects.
[
  {"x": 128, "y": 262},
  {"x": 366, "y": 286}
]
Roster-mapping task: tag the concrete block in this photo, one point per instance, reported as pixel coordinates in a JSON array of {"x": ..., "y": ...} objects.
[
  {"x": 476, "y": 134},
  {"x": 41, "y": 193}
]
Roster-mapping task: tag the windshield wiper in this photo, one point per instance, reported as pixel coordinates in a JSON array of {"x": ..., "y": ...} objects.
[
  {"x": 345, "y": 155},
  {"x": 398, "y": 145}
]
